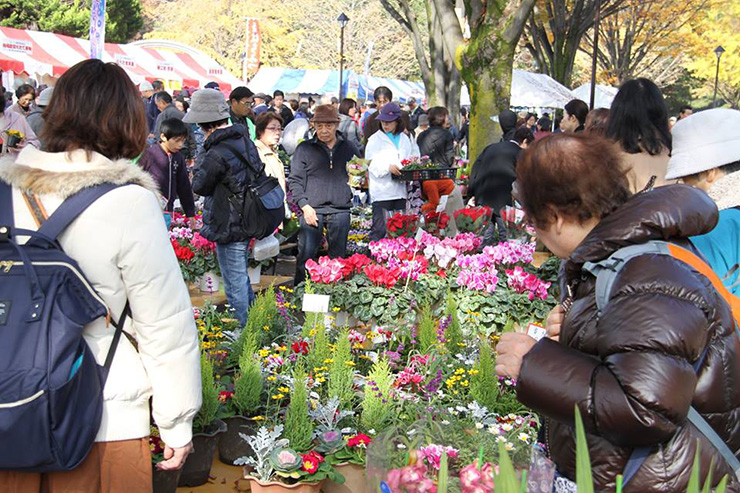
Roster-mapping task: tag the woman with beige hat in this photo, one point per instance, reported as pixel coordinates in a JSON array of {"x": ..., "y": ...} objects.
[{"x": 706, "y": 154}]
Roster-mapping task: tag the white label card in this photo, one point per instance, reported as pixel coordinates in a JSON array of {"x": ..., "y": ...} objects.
[
  {"x": 316, "y": 303},
  {"x": 442, "y": 203},
  {"x": 536, "y": 332},
  {"x": 419, "y": 234}
]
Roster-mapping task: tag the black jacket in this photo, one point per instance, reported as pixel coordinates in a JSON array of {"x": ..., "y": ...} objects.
[
  {"x": 437, "y": 143},
  {"x": 171, "y": 174},
  {"x": 219, "y": 174},
  {"x": 318, "y": 175},
  {"x": 493, "y": 174}
]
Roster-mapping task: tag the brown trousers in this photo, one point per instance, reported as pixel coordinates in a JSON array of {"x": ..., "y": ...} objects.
[{"x": 111, "y": 467}]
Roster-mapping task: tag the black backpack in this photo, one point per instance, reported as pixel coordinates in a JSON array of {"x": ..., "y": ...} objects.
[{"x": 261, "y": 207}]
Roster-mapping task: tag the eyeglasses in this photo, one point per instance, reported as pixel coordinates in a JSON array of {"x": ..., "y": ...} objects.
[{"x": 274, "y": 129}]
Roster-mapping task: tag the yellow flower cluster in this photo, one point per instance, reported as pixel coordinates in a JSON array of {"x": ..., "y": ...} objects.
[
  {"x": 459, "y": 378},
  {"x": 284, "y": 389},
  {"x": 278, "y": 397}
]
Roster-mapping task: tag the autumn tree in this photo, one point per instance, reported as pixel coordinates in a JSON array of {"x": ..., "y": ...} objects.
[
  {"x": 485, "y": 58},
  {"x": 719, "y": 26},
  {"x": 423, "y": 26},
  {"x": 555, "y": 30},
  {"x": 647, "y": 38}
]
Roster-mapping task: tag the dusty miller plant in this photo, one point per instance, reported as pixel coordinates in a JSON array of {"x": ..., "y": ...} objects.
[
  {"x": 263, "y": 443},
  {"x": 327, "y": 416}
]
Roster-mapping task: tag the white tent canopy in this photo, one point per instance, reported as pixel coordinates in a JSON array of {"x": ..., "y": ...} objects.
[
  {"x": 604, "y": 95},
  {"x": 529, "y": 90}
]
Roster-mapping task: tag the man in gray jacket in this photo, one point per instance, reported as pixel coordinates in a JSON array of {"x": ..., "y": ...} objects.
[
  {"x": 34, "y": 119},
  {"x": 167, "y": 110}
]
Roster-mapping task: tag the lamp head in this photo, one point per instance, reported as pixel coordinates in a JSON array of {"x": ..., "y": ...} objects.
[
  {"x": 718, "y": 51},
  {"x": 343, "y": 20}
]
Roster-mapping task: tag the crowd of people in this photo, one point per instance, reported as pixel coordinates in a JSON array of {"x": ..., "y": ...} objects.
[{"x": 591, "y": 183}]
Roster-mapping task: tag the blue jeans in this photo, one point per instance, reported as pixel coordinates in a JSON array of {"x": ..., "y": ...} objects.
[
  {"x": 309, "y": 240},
  {"x": 233, "y": 259}
]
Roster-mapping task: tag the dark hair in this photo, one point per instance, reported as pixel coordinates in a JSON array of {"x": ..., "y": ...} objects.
[
  {"x": 638, "y": 118},
  {"x": 157, "y": 85},
  {"x": 293, "y": 104},
  {"x": 520, "y": 122},
  {"x": 206, "y": 126},
  {"x": 334, "y": 100},
  {"x": 545, "y": 123},
  {"x": 530, "y": 115},
  {"x": 163, "y": 96},
  {"x": 400, "y": 126},
  {"x": 685, "y": 107},
  {"x": 579, "y": 109},
  {"x": 383, "y": 91},
  {"x": 264, "y": 120},
  {"x": 24, "y": 89},
  {"x": 240, "y": 93},
  {"x": 728, "y": 168},
  {"x": 437, "y": 115},
  {"x": 96, "y": 107},
  {"x": 523, "y": 134},
  {"x": 277, "y": 93},
  {"x": 579, "y": 176},
  {"x": 463, "y": 111},
  {"x": 597, "y": 121},
  {"x": 173, "y": 127},
  {"x": 346, "y": 105}
]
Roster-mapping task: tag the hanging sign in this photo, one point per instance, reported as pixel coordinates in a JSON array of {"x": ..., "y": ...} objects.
[
  {"x": 253, "y": 45},
  {"x": 97, "y": 29},
  {"x": 18, "y": 46},
  {"x": 125, "y": 61},
  {"x": 215, "y": 71},
  {"x": 165, "y": 67}
]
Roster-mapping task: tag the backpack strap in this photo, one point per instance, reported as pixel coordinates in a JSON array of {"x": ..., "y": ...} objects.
[
  {"x": 7, "y": 218},
  {"x": 244, "y": 160}
]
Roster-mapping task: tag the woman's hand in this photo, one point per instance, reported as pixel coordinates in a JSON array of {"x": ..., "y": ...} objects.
[
  {"x": 554, "y": 322},
  {"x": 174, "y": 458},
  {"x": 511, "y": 349},
  {"x": 394, "y": 169}
]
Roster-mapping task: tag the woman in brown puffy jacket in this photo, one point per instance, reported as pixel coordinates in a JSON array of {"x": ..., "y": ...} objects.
[{"x": 629, "y": 369}]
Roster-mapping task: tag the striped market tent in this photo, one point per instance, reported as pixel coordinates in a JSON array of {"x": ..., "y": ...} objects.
[{"x": 42, "y": 55}]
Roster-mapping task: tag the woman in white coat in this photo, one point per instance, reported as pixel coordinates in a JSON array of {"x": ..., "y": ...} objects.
[
  {"x": 95, "y": 126},
  {"x": 386, "y": 150}
]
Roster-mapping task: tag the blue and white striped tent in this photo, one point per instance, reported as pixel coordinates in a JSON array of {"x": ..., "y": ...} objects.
[{"x": 300, "y": 81}]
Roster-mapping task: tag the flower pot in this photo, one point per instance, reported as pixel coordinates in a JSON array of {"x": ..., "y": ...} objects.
[
  {"x": 231, "y": 446},
  {"x": 13, "y": 141},
  {"x": 257, "y": 486},
  {"x": 254, "y": 274},
  {"x": 197, "y": 467},
  {"x": 165, "y": 481},
  {"x": 209, "y": 282},
  {"x": 355, "y": 480}
]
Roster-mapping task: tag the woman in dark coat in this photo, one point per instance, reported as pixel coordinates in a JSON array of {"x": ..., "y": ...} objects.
[{"x": 629, "y": 368}]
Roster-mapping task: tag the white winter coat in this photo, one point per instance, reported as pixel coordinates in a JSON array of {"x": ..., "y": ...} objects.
[
  {"x": 382, "y": 153},
  {"x": 121, "y": 244}
]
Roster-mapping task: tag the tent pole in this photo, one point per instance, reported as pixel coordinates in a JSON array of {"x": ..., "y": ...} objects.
[{"x": 597, "y": 22}]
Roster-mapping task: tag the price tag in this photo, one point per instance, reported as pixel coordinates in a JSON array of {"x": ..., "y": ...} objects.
[
  {"x": 443, "y": 203},
  {"x": 316, "y": 303},
  {"x": 419, "y": 234},
  {"x": 536, "y": 332}
]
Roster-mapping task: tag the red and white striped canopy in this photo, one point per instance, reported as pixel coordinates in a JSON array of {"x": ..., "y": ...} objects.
[{"x": 41, "y": 53}]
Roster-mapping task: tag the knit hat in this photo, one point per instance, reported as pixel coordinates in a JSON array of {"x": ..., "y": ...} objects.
[
  {"x": 325, "y": 113},
  {"x": 389, "y": 113},
  {"x": 207, "y": 105},
  {"x": 212, "y": 85},
  {"x": 146, "y": 86},
  {"x": 703, "y": 141},
  {"x": 45, "y": 97}
]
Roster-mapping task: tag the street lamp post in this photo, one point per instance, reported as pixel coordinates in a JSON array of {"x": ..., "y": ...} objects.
[
  {"x": 717, "y": 51},
  {"x": 343, "y": 20}
]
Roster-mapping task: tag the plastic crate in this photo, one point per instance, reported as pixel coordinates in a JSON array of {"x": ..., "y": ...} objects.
[{"x": 427, "y": 174}]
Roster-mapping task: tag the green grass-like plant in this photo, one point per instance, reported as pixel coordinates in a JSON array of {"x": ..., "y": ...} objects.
[
  {"x": 375, "y": 412},
  {"x": 427, "y": 330},
  {"x": 341, "y": 373},
  {"x": 210, "y": 407},
  {"x": 484, "y": 385},
  {"x": 298, "y": 424},
  {"x": 453, "y": 334},
  {"x": 248, "y": 383},
  {"x": 320, "y": 351}
]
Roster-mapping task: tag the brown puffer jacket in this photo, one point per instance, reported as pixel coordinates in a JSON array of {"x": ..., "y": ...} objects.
[{"x": 630, "y": 371}]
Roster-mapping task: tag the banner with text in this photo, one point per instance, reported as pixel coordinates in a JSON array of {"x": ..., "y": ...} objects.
[
  {"x": 254, "y": 40},
  {"x": 97, "y": 29}
]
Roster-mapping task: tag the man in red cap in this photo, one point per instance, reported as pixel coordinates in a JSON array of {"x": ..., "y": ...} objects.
[{"x": 318, "y": 182}]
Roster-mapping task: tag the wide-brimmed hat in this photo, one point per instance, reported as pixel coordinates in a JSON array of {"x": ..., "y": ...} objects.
[
  {"x": 45, "y": 97},
  {"x": 705, "y": 140},
  {"x": 207, "y": 105},
  {"x": 325, "y": 113},
  {"x": 389, "y": 113}
]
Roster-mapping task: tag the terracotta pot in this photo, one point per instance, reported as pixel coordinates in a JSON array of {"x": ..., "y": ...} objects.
[
  {"x": 165, "y": 481},
  {"x": 231, "y": 446},
  {"x": 355, "y": 480},
  {"x": 197, "y": 467},
  {"x": 257, "y": 486}
]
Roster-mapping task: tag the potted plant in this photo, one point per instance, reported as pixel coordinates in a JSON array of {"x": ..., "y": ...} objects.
[
  {"x": 242, "y": 403},
  {"x": 15, "y": 137},
  {"x": 206, "y": 428},
  {"x": 197, "y": 258},
  {"x": 162, "y": 481},
  {"x": 472, "y": 219}
]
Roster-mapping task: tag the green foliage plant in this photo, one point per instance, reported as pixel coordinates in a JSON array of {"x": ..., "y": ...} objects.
[
  {"x": 248, "y": 383},
  {"x": 453, "y": 333},
  {"x": 377, "y": 405},
  {"x": 211, "y": 405},
  {"x": 320, "y": 352},
  {"x": 427, "y": 330},
  {"x": 341, "y": 372},
  {"x": 298, "y": 424},
  {"x": 484, "y": 383}
]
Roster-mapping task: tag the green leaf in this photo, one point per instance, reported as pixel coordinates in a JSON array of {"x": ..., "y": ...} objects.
[
  {"x": 584, "y": 479},
  {"x": 708, "y": 483},
  {"x": 722, "y": 486},
  {"x": 443, "y": 474},
  {"x": 693, "y": 486},
  {"x": 505, "y": 481}
]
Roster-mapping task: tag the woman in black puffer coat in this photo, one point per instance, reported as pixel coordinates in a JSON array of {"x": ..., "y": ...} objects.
[{"x": 629, "y": 369}]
